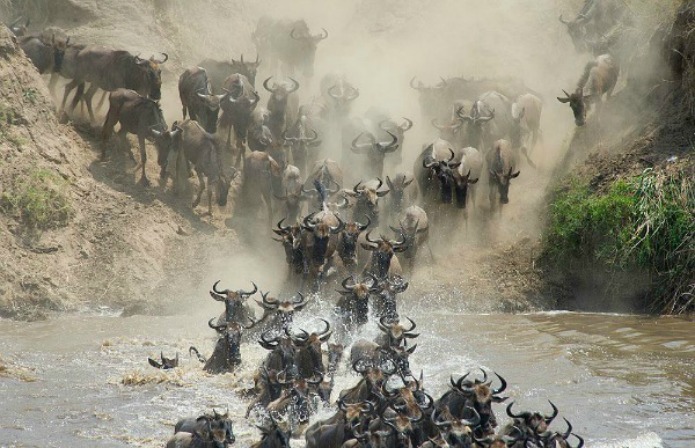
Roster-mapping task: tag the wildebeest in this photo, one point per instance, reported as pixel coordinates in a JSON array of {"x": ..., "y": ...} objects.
[
  {"x": 109, "y": 70},
  {"x": 598, "y": 79},
  {"x": 467, "y": 175},
  {"x": 385, "y": 292},
  {"x": 289, "y": 43},
  {"x": 294, "y": 193},
  {"x": 526, "y": 128},
  {"x": 595, "y": 20},
  {"x": 477, "y": 394},
  {"x": 202, "y": 150},
  {"x": 292, "y": 242},
  {"x": 458, "y": 432},
  {"x": 309, "y": 356},
  {"x": 283, "y": 309},
  {"x": 216, "y": 423},
  {"x": 532, "y": 423},
  {"x": 326, "y": 171},
  {"x": 367, "y": 196},
  {"x": 302, "y": 139},
  {"x": 347, "y": 243},
  {"x": 338, "y": 94},
  {"x": 227, "y": 355},
  {"x": 501, "y": 163},
  {"x": 196, "y": 440},
  {"x": 165, "y": 363},
  {"x": 414, "y": 230},
  {"x": 281, "y": 104},
  {"x": 143, "y": 117},
  {"x": 383, "y": 250},
  {"x": 46, "y": 50},
  {"x": 353, "y": 305},
  {"x": 323, "y": 229},
  {"x": 237, "y": 108},
  {"x": 375, "y": 151},
  {"x": 235, "y": 310},
  {"x": 197, "y": 99},
  {"x": 382, "y": 125},
  {"x": 434, "y": 172},
  {"x": 400, "y": 195},
  {"x": 262, "y": 178},
  {"x": 490, "y": 104},
  {"x": 272, "y": 436},
  {"x": 219, "y": 71}
]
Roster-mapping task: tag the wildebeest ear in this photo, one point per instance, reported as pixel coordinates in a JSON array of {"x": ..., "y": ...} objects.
[
  {"x": 515, "y": 175},
  {"x": 367, "y": 247},
  {"x": 563, "y": 100},
  {"x": 499, "y": 399},
  {"x": 473, "y": 181},
  {"x": 381, "y": 194}
]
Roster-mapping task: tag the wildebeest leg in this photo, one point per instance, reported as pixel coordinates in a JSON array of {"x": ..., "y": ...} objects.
[
  {"x": 492, "y": 195},
  {"x": 78, "y": 94},
  {"x": 104, "y": 94},
  {"x": 201, "y": 187},
  {"x": 143, "y": 159},
  {"x": 68, "y": 88},
  {"x": 210, "y": 188},
  {"x": 107, "y": 129},
  {"x": 88, "y": 100},
  {"x": 52, "y": 83}
]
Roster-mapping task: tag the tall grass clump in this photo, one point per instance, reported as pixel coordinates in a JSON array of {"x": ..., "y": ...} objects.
[
  {"x": 39, "y": 200},
  {"x": 646, "y": 222}
]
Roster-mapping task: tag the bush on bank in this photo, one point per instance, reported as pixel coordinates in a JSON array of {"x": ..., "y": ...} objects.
[{"x": 646, "y": 221}]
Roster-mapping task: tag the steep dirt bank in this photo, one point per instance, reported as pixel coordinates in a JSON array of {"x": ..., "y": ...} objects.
[
  {"x": 640, "y": 156},
  {"x": 74, "y": 233}
]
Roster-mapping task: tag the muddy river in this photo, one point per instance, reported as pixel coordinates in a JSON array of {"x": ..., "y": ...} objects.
[{"x": 82, "y": 381}]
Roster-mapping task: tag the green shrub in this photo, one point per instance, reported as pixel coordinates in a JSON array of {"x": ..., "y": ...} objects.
[
  {"x": 38, "y": 199},
  {"x": 647, "y": 221}
]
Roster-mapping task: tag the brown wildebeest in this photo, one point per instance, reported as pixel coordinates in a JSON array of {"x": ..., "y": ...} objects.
[
  {"x": 19, "y": 29},
  {"x": 526, "y": 116},
  {"x": 143, "y": 117},
  {"x": 595, "y": 20},
  {"x": 501, "y": 162},
  {"x": 599, "y": 79},
  {"x": 195, "y": 146},
  {"x": 262, "y": 177},
  {"x": 109, "y": 70},
  {"x": 197, "y": 99},
  {"x": 237, "y": 110},
  {"x": 46, "y": 50},
  {"x": 375, "y": 151},
  {"x": 281, "y": 104}
]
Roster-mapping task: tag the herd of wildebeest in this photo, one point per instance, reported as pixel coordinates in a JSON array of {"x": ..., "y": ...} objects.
[{"x": 300, "y": 159}]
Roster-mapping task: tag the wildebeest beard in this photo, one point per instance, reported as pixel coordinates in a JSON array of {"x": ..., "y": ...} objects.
[
  {"x": 348, "y": 249},
  {"x": 320, "y": 248},
  {"x": 233, "y": 351},
  {"x": 461, "y": 195}
]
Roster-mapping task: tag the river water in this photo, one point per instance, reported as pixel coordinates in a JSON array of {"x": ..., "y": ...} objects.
[{"x": 623, "y": 381}]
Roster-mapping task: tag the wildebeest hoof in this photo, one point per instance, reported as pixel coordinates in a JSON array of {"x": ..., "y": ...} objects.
[{"x": 145, "y": 182}]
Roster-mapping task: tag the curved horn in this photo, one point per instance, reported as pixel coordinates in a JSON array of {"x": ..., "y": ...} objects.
[
  {"x": 267, "y": 87},
  {"x": 325, "y": 332},
  {"x": 475, "y": 421},
  {"x": 249, "y": 293},
  {"x": 383, "y": 326},
  {"x": 214, "y": 288},
  {"x": 345, "y": 283},
  {"x": 549, "y": 418},
  {"x": 216, "y": 327},
  {"x": 441, "y": 127},
  {"x": 280, "y": 226},
  {"x": 323, "y": 35},
  {"x": 334, "y": 95},
  {"x": 407, "y": 125},
  {"x": 166, "y": 58},
  {"x": 414, "y": 325},
  {"x": 581, "y": 441},
  {"x": 413, "y": 86},
  {"x": 523, "y": 415},
  {"x": 369, "y": 239},
  {"x": 355, "y": 188},
  {"x": 361, "y": 148},
  {"x": 294, "y": 87},
  {"x": 391, "y": 146},
  {"x": 363, "y": 227},
  {"x": 502, "y": 387},
  {"x": 563, "y": 21}
]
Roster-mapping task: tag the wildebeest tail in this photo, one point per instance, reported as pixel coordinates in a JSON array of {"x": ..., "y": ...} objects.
[
  {"x": 200, "y": 357},
  {"x": 585, "y": 76}
]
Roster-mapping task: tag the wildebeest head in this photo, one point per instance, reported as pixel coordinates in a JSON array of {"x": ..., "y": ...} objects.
[
  {"x": 395, "y": 332},
  {"x": 403, "y": 425},
  {"x": 164, "y": 139},
  {"x": 532, "y": 422},
  {"x": 461, "y": 182},
  {"x": 398, "y": 130},
  {"x": 501, "y": 441},
  {"x": 273, "y": 436},
  {"x": 450, "y": 130},
  {"x": 343, "y": 94},
  {"x": 443, "y": 170},
  {"x": 151, "y": 73},
  {"x": 409, "y": 236},
  {"x": 312, "y": 343},
  {"x": 233, "y": 300},
  {"x": 578, "y": 103},
  {"x": 348, "y": 240},
  {"x": 301, "y": 140},
  {"x": 478, "y": 116},
  {"x": 291, "y": 239},
  {"x": 279, "y": 92},
  {"x": 230, "y": 332},
  {"x": 166, "y": 363},
  {"x": 246, "y": 68},
  {"x": 459, "y": 430},
  {"x": 397, "y": 187},
  {"x": 376, "y": 151},
  {"x": 503, "y": 180},
  {"x": 221, "y": 422},
  {"x": 555, "y": 439},
  {"x": 375, "y": 374},
  {"x": 382, "y": 252},
  {"x": 368, "y": 199},
  {"x": 306, "y": 46},
  {"x": 284, "y": 309},
  {"x": 210, "y": 437},
  {"x": 481, "y": 396},
  {"x": 399, "y": 355},
  {"x": 322, "y": 231}
]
